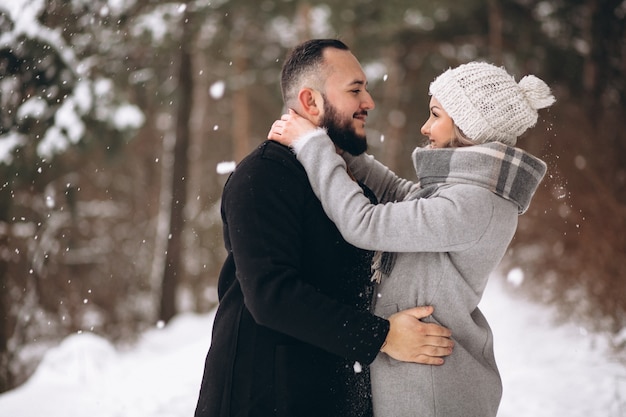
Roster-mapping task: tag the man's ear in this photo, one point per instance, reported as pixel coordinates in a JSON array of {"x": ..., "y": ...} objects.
[{"x": 312, "y": 103}]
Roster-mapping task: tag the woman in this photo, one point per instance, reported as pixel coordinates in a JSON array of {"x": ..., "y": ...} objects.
[{"x": 438, "y": 239}]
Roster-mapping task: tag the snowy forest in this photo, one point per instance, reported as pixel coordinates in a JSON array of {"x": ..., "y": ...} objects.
[{"x": 121, "y": 119}]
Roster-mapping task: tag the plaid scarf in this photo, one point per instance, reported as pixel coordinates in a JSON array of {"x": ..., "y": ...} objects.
[{"x": 509, "y": 172}]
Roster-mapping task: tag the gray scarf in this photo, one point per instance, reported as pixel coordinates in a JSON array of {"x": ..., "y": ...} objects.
[{"x": 509, "y": 172}]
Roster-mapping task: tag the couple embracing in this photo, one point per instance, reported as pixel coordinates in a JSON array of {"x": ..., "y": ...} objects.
[{"x": 348, "y": 291}]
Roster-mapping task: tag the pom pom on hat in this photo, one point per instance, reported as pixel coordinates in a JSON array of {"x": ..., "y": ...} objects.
[
  {"x": 487, "y": 104},
  {"x": 537, "y": 92}
]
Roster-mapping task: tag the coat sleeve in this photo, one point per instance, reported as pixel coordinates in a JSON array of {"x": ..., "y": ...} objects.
[
  {"x": 452, "y": 220},
  {"x": 385, "y": 184},
  {"x": 263, "y": 210}
]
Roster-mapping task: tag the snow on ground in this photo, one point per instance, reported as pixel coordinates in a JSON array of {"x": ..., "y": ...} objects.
[{"x": 547, "y": 370}]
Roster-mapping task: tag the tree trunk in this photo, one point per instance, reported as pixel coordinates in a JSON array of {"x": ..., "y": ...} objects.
[
  {"x": 5, "y": 302},
  {"x": 303, "y": 22},
  {"x": 241, "y": 108},
  {"x": 396, "y": 132},
  {"x": 495, "y": 31},
  {"x": 173, "y": 266}
]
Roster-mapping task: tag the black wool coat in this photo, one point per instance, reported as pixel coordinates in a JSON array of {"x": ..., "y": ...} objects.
[{"x": 294, "y": 302}]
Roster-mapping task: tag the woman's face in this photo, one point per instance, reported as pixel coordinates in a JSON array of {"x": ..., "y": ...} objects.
[{"x": 439, "y": 128}]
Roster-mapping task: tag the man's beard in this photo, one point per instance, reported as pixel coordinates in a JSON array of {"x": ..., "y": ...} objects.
[{"x": 342, "y": 132}]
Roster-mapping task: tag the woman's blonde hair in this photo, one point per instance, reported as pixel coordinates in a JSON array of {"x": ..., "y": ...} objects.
[{"x": 460, "y": 139}]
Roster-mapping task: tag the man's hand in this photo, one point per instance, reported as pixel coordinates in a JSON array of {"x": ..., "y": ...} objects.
[{"x": 410, "y": 340}]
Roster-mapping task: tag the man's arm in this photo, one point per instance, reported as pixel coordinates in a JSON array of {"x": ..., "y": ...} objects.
[{"x": 264, "y": 207}]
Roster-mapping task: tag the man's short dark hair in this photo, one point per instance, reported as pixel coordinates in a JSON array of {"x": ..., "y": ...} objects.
[{"x": 303, "y": 60}]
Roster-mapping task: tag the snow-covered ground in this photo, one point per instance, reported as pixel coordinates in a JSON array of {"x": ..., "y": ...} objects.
[{"x": 547, "y": 370}]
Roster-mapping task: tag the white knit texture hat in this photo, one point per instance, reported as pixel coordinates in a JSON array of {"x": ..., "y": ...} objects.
[{"x": 486, "y": 103}]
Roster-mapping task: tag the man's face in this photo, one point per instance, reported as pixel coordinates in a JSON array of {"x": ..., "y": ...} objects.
[
  {"x": 341, "y": 130},
  {"x": 346, "y": 101}
]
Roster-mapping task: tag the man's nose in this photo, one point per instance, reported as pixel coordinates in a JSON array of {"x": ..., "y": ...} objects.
[{"x": 368, "y": 102}]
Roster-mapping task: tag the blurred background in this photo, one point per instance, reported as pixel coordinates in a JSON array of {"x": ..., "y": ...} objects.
[{"x": 121, "y": 119}]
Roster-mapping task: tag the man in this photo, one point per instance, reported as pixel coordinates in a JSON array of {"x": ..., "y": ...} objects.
[{"x": 293, "y": 328}]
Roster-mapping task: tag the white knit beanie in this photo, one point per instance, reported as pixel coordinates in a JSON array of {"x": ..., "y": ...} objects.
[{"x": 486, "y": 103}]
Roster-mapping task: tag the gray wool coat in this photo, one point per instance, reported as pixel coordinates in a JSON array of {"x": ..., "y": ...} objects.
[{"x": 445, "y": 248}]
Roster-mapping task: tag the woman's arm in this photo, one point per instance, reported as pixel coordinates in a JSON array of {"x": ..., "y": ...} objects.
[
  {"x": 292, "y": 129},
  {"x": 451, "y": 221},
  {"x": 385, "y": 184}
]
